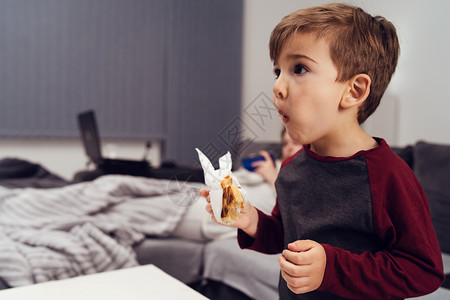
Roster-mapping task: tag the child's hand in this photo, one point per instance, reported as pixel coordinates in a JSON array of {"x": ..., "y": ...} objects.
[
  {"x": 303, "y": 265},
  {"x": 247, "y": 220}
]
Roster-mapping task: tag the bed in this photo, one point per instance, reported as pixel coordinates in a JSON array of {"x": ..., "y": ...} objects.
[{"x": 52, "y": 229}]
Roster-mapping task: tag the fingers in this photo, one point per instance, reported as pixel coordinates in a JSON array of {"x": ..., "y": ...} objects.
[
  {"x": 296, "y": 278},
  {"x": 257, "y": 164},
  {"x": 291, "y": 268},
  {"x": 243, "y": 217},
  {"x": 303, "y": 252},
  {"x": 263, "y": 166},
  {"x": 304, "y": 288},
  {"x": 298, "y": 258},
  {"x": 303, "y": 270},
  {"x": 209, "y": 208},
  {"x": 205, "y": 194},
  {"x": 213, "y": 218},
  {"x": 266, "y": 155},
  {"x": 301, "y": 245}
]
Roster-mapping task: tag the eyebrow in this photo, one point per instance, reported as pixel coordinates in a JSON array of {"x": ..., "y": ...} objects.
[{"x": 297, "y": 56}]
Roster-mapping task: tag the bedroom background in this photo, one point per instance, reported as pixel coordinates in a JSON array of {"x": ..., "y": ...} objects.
[{"x": 218, "y": 81}]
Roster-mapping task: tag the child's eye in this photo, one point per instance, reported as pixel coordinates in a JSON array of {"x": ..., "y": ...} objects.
[
  {"x": 277, "y": 73},
  {"x": 300, "y": 69}
]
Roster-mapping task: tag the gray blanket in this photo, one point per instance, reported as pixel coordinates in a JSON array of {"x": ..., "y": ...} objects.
[{"x": 90, "y": 227}]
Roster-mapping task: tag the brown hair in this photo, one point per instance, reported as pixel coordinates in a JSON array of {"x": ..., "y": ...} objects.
[{"x": 359, "y": 43}]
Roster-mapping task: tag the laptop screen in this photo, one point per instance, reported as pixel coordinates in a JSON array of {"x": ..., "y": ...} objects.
[{"x": 89, "y": 134}]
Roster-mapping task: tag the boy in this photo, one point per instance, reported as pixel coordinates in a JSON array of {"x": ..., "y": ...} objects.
[{"x": 351, "y": 220}]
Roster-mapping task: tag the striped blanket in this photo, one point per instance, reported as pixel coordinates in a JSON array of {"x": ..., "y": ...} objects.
[{"x": 90, "y": 227}]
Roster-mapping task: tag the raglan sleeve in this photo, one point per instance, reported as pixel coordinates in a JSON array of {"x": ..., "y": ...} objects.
[
  {"x": 410, "y": 262},
  {"x": 269, "y": 234}
]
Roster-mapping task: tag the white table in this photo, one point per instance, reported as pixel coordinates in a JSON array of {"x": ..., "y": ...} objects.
[{"x": 143, "y": 282}]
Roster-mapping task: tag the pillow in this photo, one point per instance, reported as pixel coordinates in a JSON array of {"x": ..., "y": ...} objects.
[
  {"x": 19, "y": 173},
  {"x": 405, "y": 153},
  {"x": 432, "y": 168},
  {"x": 17, "y": 168}
]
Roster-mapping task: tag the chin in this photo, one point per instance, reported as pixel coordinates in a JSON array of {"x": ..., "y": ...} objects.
[{"x": 299, "y": 139}]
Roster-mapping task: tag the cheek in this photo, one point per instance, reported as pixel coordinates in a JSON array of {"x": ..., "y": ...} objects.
[
  {"x": 321, "y": 106},
  {"x": 310, "y": 120},
  {"x": 311, "y": 103},
  {"x": 307, "y": 113}
]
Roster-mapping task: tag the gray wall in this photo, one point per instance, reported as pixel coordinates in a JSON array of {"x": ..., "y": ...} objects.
[{"x": 166, "y": 70}]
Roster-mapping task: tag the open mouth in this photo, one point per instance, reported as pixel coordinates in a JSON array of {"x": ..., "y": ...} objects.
[{"x": 283, "y": 116}]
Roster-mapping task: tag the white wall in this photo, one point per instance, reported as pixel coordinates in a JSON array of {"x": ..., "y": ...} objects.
[
  {"x": 65, "y": 157},
  {"x": 416, "y": 105}
]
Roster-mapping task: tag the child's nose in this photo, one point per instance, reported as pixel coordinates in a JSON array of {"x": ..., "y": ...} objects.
[{"x": 279, "y": 90}]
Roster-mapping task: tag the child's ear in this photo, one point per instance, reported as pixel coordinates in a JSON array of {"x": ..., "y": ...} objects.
[{"x": 358, "y": 91}]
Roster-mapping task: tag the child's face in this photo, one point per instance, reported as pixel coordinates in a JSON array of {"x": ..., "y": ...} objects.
[{"x": 306, "y": 93}]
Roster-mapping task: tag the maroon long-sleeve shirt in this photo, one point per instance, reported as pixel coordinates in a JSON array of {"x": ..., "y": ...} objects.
[{"x": 369, "y": 213}]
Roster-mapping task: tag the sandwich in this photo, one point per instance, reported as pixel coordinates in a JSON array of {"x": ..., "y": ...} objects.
[{"x": 232, "y": 201}]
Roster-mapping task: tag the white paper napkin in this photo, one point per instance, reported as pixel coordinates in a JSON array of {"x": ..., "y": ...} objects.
[{"x": 213, "y": 178}]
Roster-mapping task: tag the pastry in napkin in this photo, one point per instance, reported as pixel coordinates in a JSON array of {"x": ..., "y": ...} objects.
[{"x": 226, "y": 195}]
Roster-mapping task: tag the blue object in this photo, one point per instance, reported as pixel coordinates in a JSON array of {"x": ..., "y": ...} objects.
[{"x": 247, "y": 162}]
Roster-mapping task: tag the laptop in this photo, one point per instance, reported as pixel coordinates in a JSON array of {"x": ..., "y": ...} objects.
[{"x": 87, "y": 124}]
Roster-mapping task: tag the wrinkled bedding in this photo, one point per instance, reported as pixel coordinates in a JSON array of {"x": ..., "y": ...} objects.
[{"x": 89, "y": 227}]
